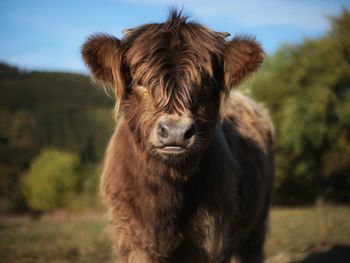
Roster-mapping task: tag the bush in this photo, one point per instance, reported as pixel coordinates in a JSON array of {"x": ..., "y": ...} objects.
[{"x": 51, "y": 180}]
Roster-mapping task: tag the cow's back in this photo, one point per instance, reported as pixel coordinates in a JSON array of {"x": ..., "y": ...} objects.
[{"x": 250, "y": 136}]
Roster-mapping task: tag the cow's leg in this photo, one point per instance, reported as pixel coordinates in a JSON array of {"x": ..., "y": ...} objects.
[
  {"x": 135, "y": 256},
  {"x": 227, "y": 259},
  {"x": 251, "y": 249},
  {"x": 126, "y": 243}
]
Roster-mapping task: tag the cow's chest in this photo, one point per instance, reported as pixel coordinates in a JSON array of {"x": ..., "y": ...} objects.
[
  {"x": 207, "y": 230},
  {"x": 204, "y": 238}
]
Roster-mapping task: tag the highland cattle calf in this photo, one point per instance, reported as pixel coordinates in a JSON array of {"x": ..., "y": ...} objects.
[{"x": 188, "y": 172}]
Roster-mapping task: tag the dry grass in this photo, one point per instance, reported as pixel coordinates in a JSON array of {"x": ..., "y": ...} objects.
[
  {"x": 54, "y": 239},
  {"x": 294, "y": 233}
]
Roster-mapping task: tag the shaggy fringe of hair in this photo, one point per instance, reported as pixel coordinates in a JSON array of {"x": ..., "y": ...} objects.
[{"x": 180, "y": 59}]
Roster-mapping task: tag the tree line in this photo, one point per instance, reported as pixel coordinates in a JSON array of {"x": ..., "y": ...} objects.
[{"x": 55, "y": 114}]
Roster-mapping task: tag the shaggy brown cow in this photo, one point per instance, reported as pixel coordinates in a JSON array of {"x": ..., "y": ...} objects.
[{"x": 189, "y": 169}]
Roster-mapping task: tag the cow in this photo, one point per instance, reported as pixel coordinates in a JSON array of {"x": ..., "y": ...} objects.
[{"x": 188, "y": 172}]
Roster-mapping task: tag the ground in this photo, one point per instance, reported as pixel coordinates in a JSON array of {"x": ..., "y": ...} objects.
[{"x": 305, "y": 235}]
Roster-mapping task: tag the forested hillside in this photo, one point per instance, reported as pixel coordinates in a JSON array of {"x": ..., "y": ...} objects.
[{"x": 41, "y": 110}]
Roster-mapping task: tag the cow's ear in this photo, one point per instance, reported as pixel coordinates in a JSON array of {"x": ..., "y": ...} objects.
[
  {"x": 101, "y": 53},
  {"x": 243, "y": 56}
]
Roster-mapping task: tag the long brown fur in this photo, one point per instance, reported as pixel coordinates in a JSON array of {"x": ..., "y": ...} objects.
[{"x": 211, "y": 204}]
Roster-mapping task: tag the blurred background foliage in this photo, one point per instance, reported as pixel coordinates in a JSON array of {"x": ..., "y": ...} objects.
[
  {"x": 50, "y": 121},
  {"x": 51, "y": 181},
  {"x": 54, "y": 128},
  {"x": 307, "y": 90}
]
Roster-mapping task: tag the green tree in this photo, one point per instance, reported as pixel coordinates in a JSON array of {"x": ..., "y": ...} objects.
[
  {"x": 51, "y": 180},
  {"x": 307, "y": 88}
]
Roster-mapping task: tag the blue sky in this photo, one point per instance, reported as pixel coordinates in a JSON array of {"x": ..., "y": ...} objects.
[{"x": 47, "y": 35}]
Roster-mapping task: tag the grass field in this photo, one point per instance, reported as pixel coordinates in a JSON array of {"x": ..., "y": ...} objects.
[{"x": 307, "y": 235}]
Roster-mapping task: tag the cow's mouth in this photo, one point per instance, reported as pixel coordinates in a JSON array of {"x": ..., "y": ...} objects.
[{"x": 172, "y": 149}]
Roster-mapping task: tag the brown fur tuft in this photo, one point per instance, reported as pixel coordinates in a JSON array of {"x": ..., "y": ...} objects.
[{"x": 243, "y": 56}]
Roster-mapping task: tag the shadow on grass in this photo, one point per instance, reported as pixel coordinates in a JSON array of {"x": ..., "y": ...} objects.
[{"x": 336, "y": 254}]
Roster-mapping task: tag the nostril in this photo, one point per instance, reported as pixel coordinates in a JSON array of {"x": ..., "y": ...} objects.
[
  {"x": 163, "y": 131},
  {"x": 171, "y": 133},
  {"x": 190, "y": 132}
]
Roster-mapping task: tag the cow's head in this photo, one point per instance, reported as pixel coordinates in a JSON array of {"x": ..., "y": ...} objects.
[{"x": 170, "y": 80}]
